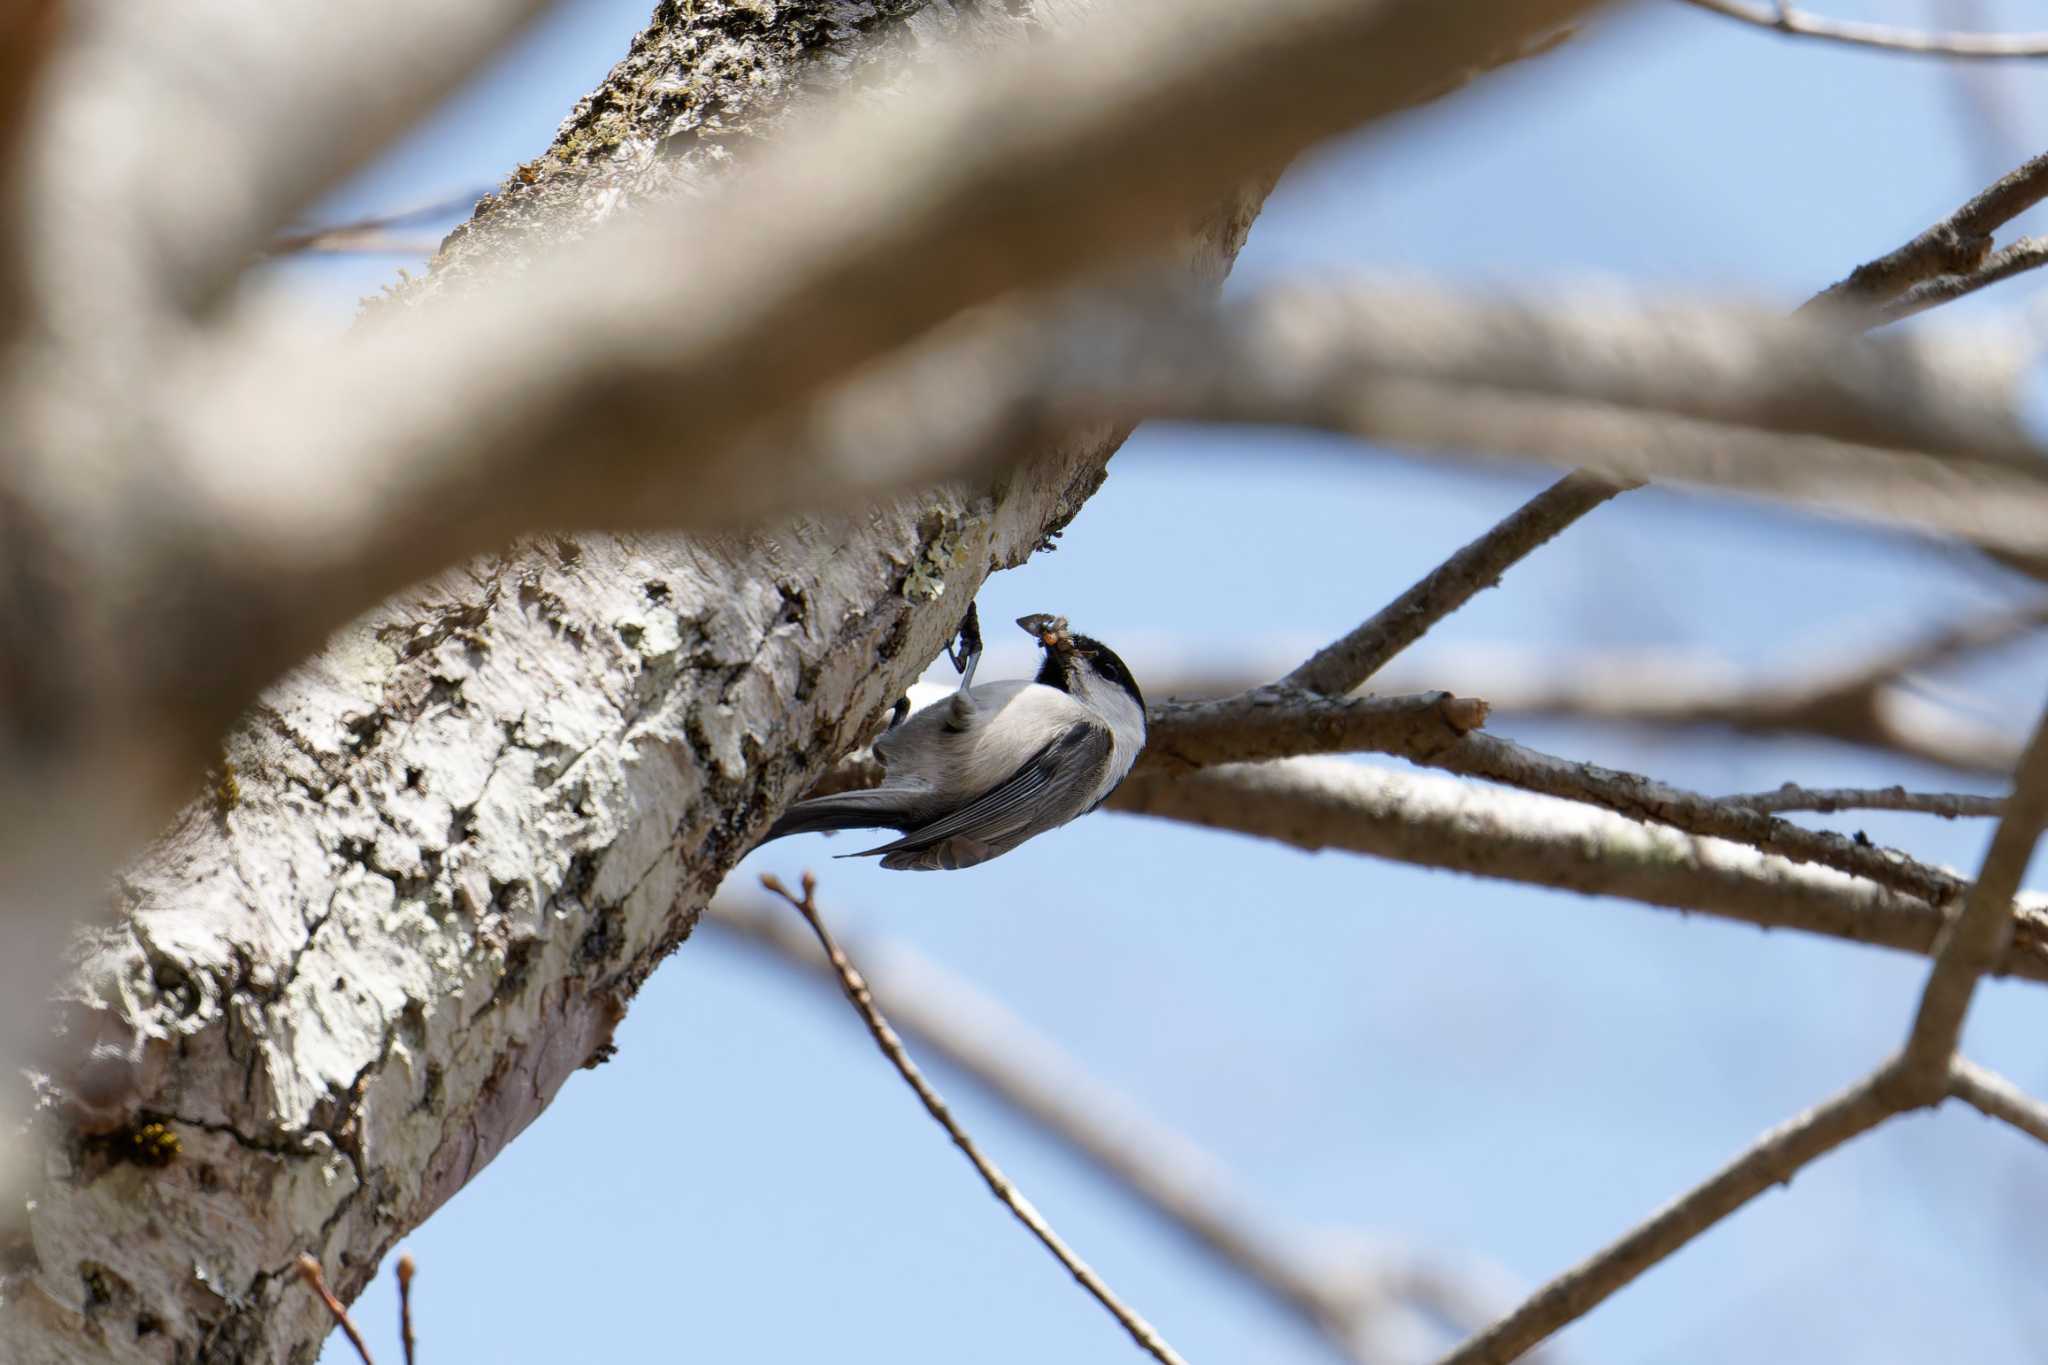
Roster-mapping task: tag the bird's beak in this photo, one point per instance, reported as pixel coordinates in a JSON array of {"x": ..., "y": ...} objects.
[{"x": 1050, "y": 630}]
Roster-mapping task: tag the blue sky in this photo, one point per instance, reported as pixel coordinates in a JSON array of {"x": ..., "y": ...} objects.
[{"x": 1465, "y": 1066}]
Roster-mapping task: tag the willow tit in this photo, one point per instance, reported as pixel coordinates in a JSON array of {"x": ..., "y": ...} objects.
[{"x": 970, "y": 778}]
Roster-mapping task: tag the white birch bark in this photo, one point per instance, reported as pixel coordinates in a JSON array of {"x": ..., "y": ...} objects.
[{"x": 442, "y": 856}]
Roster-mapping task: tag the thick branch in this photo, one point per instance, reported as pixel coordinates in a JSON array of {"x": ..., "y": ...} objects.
[{"x": 436, "y": 861}]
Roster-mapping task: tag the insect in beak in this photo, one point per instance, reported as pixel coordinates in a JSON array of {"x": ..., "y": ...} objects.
[{"x": 1050, "y": 630}]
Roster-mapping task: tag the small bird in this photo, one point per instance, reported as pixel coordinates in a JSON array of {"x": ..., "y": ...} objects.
[{"x": 970, "y": 778}]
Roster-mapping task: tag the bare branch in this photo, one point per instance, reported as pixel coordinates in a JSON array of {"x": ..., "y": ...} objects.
[
  {"x": 1783, "y": 18},
  {"x": 2028, "y": 253},
  {"x": 1975, "y": 941},
  {"x": 1863, "y": 702},
  {"x": 1281, "y": 722},
  {"x": 863, "y": 1001},
  {"x": 1321, "y": 803},
  {"x": 1772, "y": 1160},
  {"x": 1873, "y": 702},
  {"x": 1827, "y": 800},
  {"x": 404, "y": 1271},
  {"x": 1351, "y": 661},
  {"x": 1956, "y": 245},
  {"x": 1644, "y": 798},
  {"x": 1437, "y": 731},
  {"x": 309, "y": 1271},
  {"x": 1920, "y": 434},
  {"x": 1341, "y": 1296},
  {"x": 1998, "y": 1097}
]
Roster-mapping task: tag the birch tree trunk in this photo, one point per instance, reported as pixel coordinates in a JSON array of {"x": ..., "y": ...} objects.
[{"x": 438, "y": 860}]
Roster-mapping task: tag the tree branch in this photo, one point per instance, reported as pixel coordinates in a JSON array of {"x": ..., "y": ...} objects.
[
  {"x": 1827, "y": 800},
  {"x": 1316, "y": 804},
  {"x": 1351, "y": 661},
  {"x": 441, "y": 856},
  {"x": 1782, "y": 18},
  {"x": 1925, "y": 1072},
  {"x": 1997, "y": 1097},
  {"x": 1345, "y": 1297},
  {"x": 1437, "y": 730},
  {"x": 1861, "y": 702},
  {"x": 863, "y": 1002},
  {"x": 2028, "y": 253},
  {"x": 1772, "y": 1160},
  {"x": 1957, "y": 244},
  {"x": 1973, "y": 943}
]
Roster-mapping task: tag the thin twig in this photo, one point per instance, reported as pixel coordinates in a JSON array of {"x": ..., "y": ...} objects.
[
  {"x": 1968, "y": 948},
  {"x": 999, "y": 1184},
  {"x": 361, "y": 234},
  {"x": 1973, "y": 942},
  {"x": 1956, "y": 245},
  {"x": 2022, "y": 255},
  {"x": 309, "y": 1271},
  {"x": 1827, "y": 800},
  {"x": 1343, "y": 1294},
  {"x": 1772, "y": 1160},
  {"x": 1781, "y": 17},
  {"x": 405, "y": 1271},
  {"x": 1352, "y": 660},
  {"x": 1998, "y": 1097},
  {"x": 1862, "y": 702}
]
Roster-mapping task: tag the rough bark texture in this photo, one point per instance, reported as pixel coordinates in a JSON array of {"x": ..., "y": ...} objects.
[{"x": 439, "y": 860}]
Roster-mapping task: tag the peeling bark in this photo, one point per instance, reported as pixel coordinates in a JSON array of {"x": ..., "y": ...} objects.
[{"x": 438, "y": 861}]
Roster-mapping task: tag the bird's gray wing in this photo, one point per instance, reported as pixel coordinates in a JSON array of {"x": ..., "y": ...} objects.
[{"x": 1050, "y": 789}]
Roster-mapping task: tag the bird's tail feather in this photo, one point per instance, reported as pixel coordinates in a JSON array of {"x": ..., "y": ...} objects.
[{"x": 844, "y": 810}]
